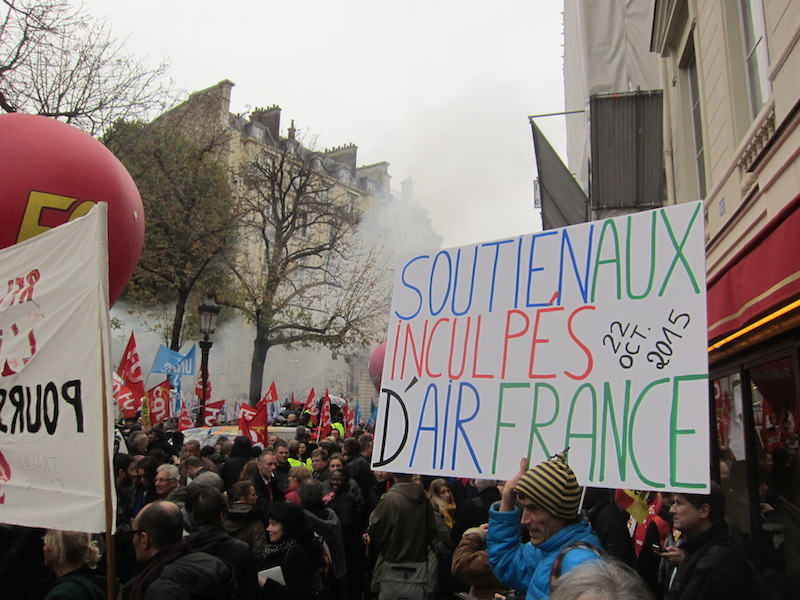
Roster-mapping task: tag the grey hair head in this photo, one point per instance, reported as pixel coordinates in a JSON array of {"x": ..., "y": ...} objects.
[{"x": 606, "y": 579}]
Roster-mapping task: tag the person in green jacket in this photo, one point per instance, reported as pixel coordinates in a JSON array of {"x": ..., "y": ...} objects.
[{"x": 73, "y": 556}]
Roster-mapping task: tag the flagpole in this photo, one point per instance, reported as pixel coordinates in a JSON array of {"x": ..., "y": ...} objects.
[{"x": 111, "y": 554}]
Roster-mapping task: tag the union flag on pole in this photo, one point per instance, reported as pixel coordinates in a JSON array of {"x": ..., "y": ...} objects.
[
  {"x": 185, "y": 421},
  {"x": 128, "y": 404},
  {"x": 158, "y": 402},
  {"x": 130, "y": 370},
  {"x": 198, "y": 388},
  {"x": 310, "y": 405},
  {"x": 270, "y": 396},
  {"x": 272, "y": 393},
  {"x": 211, "y": 411},
  {"x": 324, "y": 428},
  {"x": 349, "y": 420},
  {"x": 246, "y": 413},
  {"x": 253, "y": 423}
]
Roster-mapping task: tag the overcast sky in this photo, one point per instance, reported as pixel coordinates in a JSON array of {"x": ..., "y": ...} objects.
[{"x": 440, "y": 89}]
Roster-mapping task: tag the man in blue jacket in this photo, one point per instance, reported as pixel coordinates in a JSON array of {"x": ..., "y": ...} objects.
[{"x": 544, "y": 500}]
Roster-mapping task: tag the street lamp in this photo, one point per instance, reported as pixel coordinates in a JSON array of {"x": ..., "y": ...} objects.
[{"x": 208, "y": 319}]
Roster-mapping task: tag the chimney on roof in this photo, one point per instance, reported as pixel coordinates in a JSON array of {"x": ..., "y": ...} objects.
[
  {"x": 407, "y": 190},
  {"x": 270, "y": 118},
  {"x": 345, "y": 155},
  {"x": 225, "y": 86}
]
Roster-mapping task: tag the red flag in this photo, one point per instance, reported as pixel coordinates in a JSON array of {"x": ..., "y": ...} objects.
[
  {"x": 253, "y": 423},
  {"x": 185, "y": 421},
  {"x": 158, "y": 398},
  {"x": 198, "y": 387},
  {"x": 312, "y": 407},
  {"x": 128, "y": 404},
  {"x": 349, "y": 420},
  {"x": 246, "y": 413},
  {"x": 324, "y": 428},
  {"x": 272, "y": 393},
  {"x": 130, "y": 370},
  {"x": 211, "y": 412}
]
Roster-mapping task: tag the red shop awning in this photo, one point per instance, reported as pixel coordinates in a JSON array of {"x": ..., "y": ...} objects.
[{"x": 763, "y": 276}]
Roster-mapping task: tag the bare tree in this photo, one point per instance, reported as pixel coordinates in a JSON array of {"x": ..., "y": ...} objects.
[
  {"x": 57, "y": 61},
  {"x": 304, "y": 275},
  {"x": 192, "y": 220}
]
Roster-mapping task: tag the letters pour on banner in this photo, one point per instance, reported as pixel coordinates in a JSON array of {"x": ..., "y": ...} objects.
[
  {"x": 591, "y": 337},
  {"x": 56, "y": 373}
]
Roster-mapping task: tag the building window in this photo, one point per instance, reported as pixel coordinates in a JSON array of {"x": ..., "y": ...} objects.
[
  {"x": 731, "y": 441},
  {"x": 755, "y": 53},
  {"x": 697, "y": 125},
  {"x": 775, "y": 414},
  {"x": 757, "y": 411}
]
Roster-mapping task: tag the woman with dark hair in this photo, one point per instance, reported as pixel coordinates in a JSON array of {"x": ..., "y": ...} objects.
[
  {"x": 304, "y": 452},
  {"x": 244, "y": 520},
  {"x": 72, "y": 556},
  {"x": 144, "y": 488},
  {"x": 294, "y": 559}
]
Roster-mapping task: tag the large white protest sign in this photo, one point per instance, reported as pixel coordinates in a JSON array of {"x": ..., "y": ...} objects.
[
  {"x": 591, "y": 337},
  {"x": 55, "y": 376}
]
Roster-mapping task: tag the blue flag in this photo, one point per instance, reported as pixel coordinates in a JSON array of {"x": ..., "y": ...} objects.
[
  {"x": 165, "y": 360},
  {"x": 358, "y": 413},
  {"x": 273, "y": 410},
  {"x": 174, "y": 363},
  {"x": 373, "y": 413},
  {"x": 175, "y": 380}
]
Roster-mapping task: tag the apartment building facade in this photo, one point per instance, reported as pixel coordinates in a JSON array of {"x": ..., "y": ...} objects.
[
  {"x": 390, "y": 216},
  {"x": 729, "y": 74}
]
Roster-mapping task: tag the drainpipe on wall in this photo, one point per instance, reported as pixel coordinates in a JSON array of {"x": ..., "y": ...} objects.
[{"x": 667, "y": 126}]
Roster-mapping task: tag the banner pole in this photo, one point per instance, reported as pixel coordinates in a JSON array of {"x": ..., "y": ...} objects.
[
  {"x": 105, "y": 370},
  {"x": 109, "y": 503}
]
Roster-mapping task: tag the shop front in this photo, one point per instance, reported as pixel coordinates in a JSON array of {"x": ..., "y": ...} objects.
[{"x": 754, "y": 332}]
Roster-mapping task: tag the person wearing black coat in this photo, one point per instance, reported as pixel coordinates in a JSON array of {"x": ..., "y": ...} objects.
[
  {"x": 241, "y": 454},
  {"x": 475, "y": 512},
  {"x": 295, "y": 553},
  {"x": 342, "y": 503},
  {"x": 264, "y": 481},
  {"x": 610, "y": 523},
  {"x": 207, "y": 509},
  {"x": 710, "y": 566}
]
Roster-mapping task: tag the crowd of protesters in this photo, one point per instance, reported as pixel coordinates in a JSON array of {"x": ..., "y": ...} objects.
[{"x": 308, "y": 518}]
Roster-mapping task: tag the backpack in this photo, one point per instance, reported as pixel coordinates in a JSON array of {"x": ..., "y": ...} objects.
[
  {"x": 403, "y": 581},
  {"x": 555, "y": 571}
]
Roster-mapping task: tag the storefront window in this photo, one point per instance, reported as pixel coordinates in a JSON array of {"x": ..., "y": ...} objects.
[
  {"x": 731, "y": 440},
  {"x": 775, "y": 416}
]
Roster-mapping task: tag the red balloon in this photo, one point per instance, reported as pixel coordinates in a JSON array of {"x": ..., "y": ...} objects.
[
  {"x": 376, "y": 366},
  {"x": 53, "y": 173}
]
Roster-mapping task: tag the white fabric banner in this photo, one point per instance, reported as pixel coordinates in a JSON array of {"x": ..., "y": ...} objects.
[
  {"x": 591, "y": 337},
  {"x": 55, "y": 376}
]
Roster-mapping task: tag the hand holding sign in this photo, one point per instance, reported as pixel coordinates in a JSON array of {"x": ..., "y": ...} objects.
[{"x": 507, "y": 499}]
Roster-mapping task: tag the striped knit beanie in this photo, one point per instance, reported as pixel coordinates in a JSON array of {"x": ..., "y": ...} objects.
[{"x": 553, "y": 486}]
